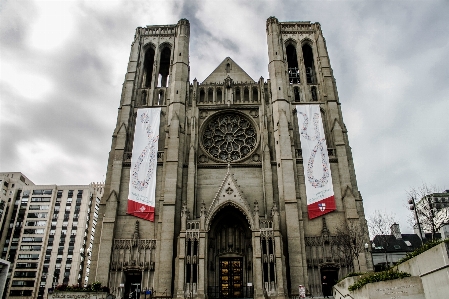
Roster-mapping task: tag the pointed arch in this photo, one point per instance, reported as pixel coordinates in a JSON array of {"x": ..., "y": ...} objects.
[
  {"x": 229, "y": 194},
  {"x": 148, "y": 65},
  {"x": 164, "y": 64},
  {"x": 202, "y": 95},
  {"x": 255, "y": 95},
  {"x": 309, "y": 62},
  {"x": 292, "y": 62},
  {"x": 219, "y": 95},
  {"x": 246, "y": 95}
]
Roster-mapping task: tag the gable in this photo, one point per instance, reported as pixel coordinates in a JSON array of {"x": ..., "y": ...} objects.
[
  {"x": 229, "y": 193},
  {"x": 226, "y": 68}
]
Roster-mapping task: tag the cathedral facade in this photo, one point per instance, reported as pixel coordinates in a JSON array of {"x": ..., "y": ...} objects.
[{"x": 232, "y": 212}]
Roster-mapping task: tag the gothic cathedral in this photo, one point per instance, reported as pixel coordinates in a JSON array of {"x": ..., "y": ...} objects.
[{"x": 233, "y": 210}]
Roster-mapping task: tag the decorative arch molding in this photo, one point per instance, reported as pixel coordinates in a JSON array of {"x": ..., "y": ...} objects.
[
  {"x": 229, "y": 194},
  {"x": 164, "y": 45},
  {"x": 307, "y": 41},
  {"x": 149, "y": 45},
  {"x": 290, "y": 41}
]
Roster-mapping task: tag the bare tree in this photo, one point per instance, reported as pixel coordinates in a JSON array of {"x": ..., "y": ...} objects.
[
  {"x": 350, "y": 241},
  {"x": 424, "y": 208},
  {"x": 379, "y": 225}
]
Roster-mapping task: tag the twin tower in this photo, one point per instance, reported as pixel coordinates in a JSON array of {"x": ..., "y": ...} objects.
[{"x": 232, "y": 205}]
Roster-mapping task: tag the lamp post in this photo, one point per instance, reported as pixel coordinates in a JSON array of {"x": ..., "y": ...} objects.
[{"x": 412, "y": 207}]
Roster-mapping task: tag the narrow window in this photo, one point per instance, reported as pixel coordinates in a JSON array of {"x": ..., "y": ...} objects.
[
  {"x": 202, "y": 95},
  {"x": 296, "y": 92},
  {"x": 292, "y": 62},
  {"x": 314, "y": 94},
  {"x": 228, "y": 68},
  {"x": 210, "y": 95},
  {"x": 148, "y": 67},
  {"x": 164, "y": 68},
  {"x": 307, "y": 54},
  {"x": 246, "y": 95},
  {"x": 219, "y": 95},
  {"x": 237, "y": 94},
  {"x": 160, "y": 98},
  {"x": 255, "y": 95}
]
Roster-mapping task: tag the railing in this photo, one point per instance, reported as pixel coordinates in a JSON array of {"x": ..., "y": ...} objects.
[
  {"x": 266, "y": 224},
  {"x": 193, "y": 225}
]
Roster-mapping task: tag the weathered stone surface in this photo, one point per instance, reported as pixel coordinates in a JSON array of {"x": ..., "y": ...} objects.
[
  {"x": 409, "y": 287},
  {"x": 433, "y": 268},
  {"x": 260, "y": 221}
]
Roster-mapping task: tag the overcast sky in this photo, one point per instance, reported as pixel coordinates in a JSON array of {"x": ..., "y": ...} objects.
[{"x": 63, "y": 64}]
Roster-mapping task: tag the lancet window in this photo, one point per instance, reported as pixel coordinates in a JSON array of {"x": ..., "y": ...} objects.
[
  {"x": 292, "y": 62},
  {"x": 202, "y": 95},
  {"x": 246, "y": 95},
  {"x": 164, "y": 67},
  {"x": 148, "y": 67},
  {"x": 191, "y": 265},
  {"x": 219, "y": 95},
  {"x": 255, "y": 95},
  {"x": 268, "y": 262},
  {"x": 296, "y": 94},
  {"x": 309, "y": 64}
]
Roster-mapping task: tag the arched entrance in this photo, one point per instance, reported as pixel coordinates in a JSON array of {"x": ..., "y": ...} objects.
[
  {"x": 329, "y": 277},
  {"x": 230, "y": 255}
]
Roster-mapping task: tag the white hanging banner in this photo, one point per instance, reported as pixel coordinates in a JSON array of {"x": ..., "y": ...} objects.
[
  {"x": 142, "y": 181},
  {"x": 317, "y": 171}
]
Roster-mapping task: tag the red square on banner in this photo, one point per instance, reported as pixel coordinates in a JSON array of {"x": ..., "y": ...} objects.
[
  {"x": 321, "y": 207},
  {"x": 140, "y": 210}
]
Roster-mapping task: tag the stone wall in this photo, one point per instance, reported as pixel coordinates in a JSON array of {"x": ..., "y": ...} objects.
[
  {"x": 429, "y": 280},
  {"x": 433, "y": 268},
  {"x": 409, "y": 287}
]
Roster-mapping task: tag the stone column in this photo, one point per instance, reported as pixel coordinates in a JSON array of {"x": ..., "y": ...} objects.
[{"x": 174, "y": 145}]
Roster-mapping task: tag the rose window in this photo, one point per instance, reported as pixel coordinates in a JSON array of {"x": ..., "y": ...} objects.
[{"x": 229, "y": 137}]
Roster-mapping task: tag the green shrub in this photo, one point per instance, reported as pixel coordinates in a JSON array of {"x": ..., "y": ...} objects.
[
  {"x": 421, "y": 249},
  {"x": 378, "y": 276}
]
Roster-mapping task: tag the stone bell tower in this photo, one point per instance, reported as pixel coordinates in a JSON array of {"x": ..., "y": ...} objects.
[
  {"x": 157, "y": 76},
  {"x": 232, "y": 212}
]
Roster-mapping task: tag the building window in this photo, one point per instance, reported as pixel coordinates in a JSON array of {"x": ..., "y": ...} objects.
[
  {"x": 307, "y": 54},
  {"x": 292, "y": 63},
  {"x": 164, "y": 67},
  {"x": 148, "y": 65}
]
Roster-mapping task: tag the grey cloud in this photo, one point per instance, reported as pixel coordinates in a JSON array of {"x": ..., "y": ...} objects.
[{"x": 401, "y": 46}]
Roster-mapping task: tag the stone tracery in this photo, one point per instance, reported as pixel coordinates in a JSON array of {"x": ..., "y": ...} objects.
[{"x": 229, "y": 137}]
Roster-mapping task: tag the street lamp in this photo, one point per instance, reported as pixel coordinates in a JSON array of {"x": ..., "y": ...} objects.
[{"x": 412, "y": 207}]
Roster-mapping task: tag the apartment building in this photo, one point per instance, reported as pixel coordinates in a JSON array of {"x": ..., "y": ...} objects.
[{"x": 48, "y": 236}]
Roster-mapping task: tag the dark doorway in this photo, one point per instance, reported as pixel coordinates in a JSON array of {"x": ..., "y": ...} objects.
[
  {"x": 330, "y": 277},
  {"x": 132, "y": 285},
  {"x": 230, "y": 255}
]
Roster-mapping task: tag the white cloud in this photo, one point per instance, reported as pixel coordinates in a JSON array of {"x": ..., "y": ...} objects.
[
  {"x": 54, "y": 25},
  {"x": 25, "y": 83}
]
